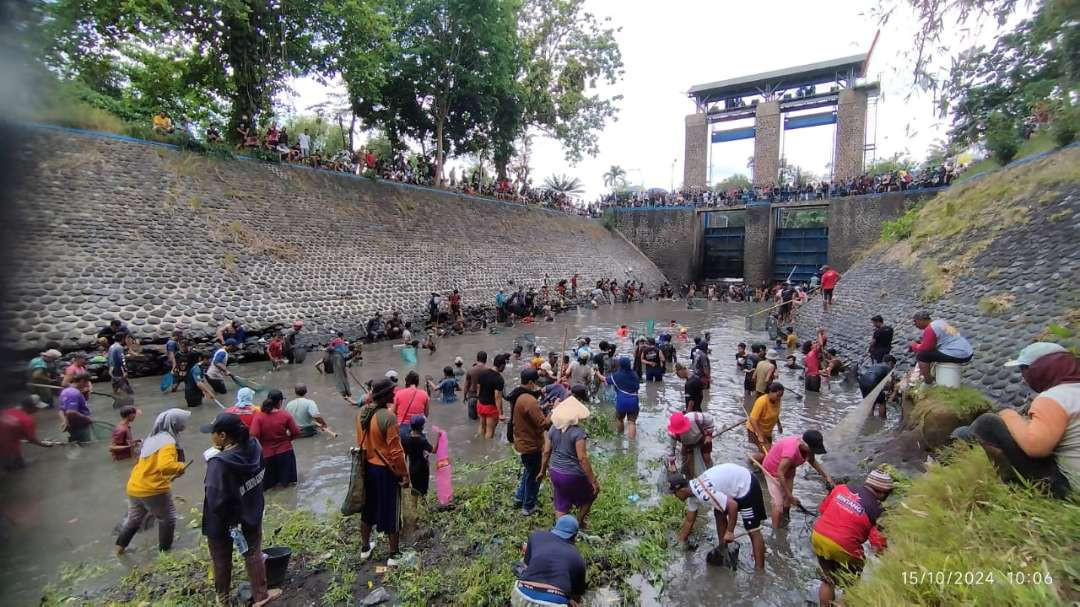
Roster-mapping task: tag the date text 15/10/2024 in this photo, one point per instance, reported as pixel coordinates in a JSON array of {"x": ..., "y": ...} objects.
[{"x": 975, "y": 578}]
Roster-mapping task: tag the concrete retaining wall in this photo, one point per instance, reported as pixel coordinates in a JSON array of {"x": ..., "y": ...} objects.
[
  {"x": 163, "y": 239},
  {"x": 670, "y": 237}
]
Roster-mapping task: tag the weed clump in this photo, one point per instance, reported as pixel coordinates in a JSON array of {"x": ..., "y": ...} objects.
[
  {"x": 1007, "y": 544},
  {"x": 995, "y": 305},
  {"x": 966, "y": 402},
  {"x": 481, "y": 538}
]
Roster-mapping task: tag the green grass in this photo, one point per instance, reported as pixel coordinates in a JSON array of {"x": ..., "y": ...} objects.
[
  {"x": 481, "y": 538},
  {"x": 959, "y": 517},
  {"x": 1041, "y": 142},
  {"x": 965, "y": 401},
  {"x": 996, "y": 305}
]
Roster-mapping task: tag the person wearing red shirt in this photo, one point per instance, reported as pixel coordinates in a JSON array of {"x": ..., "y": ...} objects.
[
  {"x": 848, "y": 517},
  {"x": 455, "y": 303},
  {"x": 17, "y": 425},
  {"x": 410, "y": 401},
  {"x": 243, "y": 407},
  {"x": 829, "y": 278},
  {"x": 275, "y": 430},
  {"x": 812, "y": 362}
]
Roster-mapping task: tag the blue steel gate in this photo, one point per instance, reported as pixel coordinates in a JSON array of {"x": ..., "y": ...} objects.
[
  {"x": 801, "y": 243},
  {"x": 724, "y": 235}
]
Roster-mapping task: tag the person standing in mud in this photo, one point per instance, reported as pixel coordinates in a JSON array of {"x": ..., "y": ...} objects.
[
  {"x": 292, "y": 351},
  {"x": 693, "y": 388},
  {"x": 233, "y": 506},
  {"x": 573, "y": 482},
  {"x": 219, "y": 366},
  {"x": 149, "y": 488},
  {"x": 489, "y": 397},
  {"x": 74, "y": 412},
  {"x": 275, "y": 430},
  {"x": 118, "y": 366},
  {"x": 691, "y": 435},
  {"x": 526, "y": 432},
  {"x": 729, "y": 490},
  {"x": 385, "y": 471},
  {"x": 471, "y": 385},
  {"x": 42, "y": 371}
]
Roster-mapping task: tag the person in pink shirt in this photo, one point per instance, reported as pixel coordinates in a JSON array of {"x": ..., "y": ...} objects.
[
  {"x": 410, "y": 401},
  {"x": 780, "y": 463}
]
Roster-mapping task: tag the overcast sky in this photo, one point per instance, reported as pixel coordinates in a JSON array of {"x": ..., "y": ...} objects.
[{"x": 668, "y": 47}]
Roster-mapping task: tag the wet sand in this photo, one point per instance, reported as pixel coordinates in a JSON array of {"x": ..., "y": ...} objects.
[{"x": 64, "y": 506}]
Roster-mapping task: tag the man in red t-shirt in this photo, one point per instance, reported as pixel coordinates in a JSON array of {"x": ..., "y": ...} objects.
[
  {"x": 16, "y": 425},
  {"x": 829, "y": 278},
  {"x": 848, "y": 517}
]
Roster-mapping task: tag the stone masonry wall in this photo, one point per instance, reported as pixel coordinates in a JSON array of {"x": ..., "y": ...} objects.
[
  {"x": 767, "y": 125},
  {"x": 163, "y": 239},
  {"x": 1038, "y": 263},
  {"x": 671, "y": 238},
  {"x": 855, "y": 222},
  {"x": 850, "y": 134}
]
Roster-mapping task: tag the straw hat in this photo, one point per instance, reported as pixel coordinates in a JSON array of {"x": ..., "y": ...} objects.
[{"x": 569, "y": 412}]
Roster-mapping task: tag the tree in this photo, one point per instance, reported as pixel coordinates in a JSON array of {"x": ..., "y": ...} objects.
[
  {"x": 1027, "y": 72},
  {"x": 563, "y": 184},
  {"x": 568, "y": 53},
  {"x": 453, "y": 64},
  {"x": 898, "y": 161},
  {"x": 615, "y": 177},
  {"x": 238, "y": 50},
  {"x": 327, "y": 135},
  {"x": 738, "y": 181}
]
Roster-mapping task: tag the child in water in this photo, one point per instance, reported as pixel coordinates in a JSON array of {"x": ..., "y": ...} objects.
[
  {"x": 275, "y": 351},
  {"x": 417, "y": 448},
  {"x": 448, "y": 386}
]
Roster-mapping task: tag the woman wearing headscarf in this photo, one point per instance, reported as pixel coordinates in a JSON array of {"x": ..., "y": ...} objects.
[
  {"x": 244, "y": 407},
  {"x": 385, "y": 472},
  {"x": 149, "y": 487},
  {"x": 626, "y": 384},
  {"x": 275, "y": 430},
  {"x": 572, "y": 479},
  {"x": 1043, "y": 446}
]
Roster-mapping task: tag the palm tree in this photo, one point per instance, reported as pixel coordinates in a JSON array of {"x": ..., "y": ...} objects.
[
  {"x": 615, "y": 177},
  {"x": 564, "y": 184}
]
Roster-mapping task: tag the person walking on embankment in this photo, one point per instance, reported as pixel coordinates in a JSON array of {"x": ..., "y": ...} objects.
[{"x": 829, "y": 278}]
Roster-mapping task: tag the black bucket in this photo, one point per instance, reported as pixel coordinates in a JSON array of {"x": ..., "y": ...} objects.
[{"x": 277, "y": 564}]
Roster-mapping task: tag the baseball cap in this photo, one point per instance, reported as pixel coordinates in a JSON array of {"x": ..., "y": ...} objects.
[
  {"x": 566, "y": 527},
  {"x": 1034, "y": 352},
  {"x": 529, "y": 375},
  {"x": 877, "y": 318},
  {"x": 417, "y": 421},
  {"x": 815, "y": 441},
  {"x": 392, "y": 375},
  {"x": 229, "y": 423},
  {"x": 232, "y": 342}
]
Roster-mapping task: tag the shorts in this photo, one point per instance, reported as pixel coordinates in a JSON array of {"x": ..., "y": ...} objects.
[
  {"x": 121, "y": 384},
  {"x": 626, "y": 409},
  {"x": 470, "y": 406},
  {"x": 485, "y": 410},
  {"x": 654, "y": 373},
  {"x": 218, "y": 385},
  {"x": 752, "y": 506},
  {"x": 934, "y": 356},
  {"x": 835, "y": 563},
  {"x": 776, "y": 492},
  {"x": 827, "y": 295},
  {"x": 813, "y": 383}
]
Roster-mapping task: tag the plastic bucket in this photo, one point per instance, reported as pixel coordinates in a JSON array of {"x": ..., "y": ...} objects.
[
  {"x": 947, "y": 374},
  {"x": 277, "y": 564}
]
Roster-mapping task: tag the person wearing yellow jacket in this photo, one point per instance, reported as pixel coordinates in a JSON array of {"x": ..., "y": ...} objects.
[{"x": 149, "y": 487}]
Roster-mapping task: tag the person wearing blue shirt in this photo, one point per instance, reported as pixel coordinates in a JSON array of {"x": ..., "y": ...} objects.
[
  {"x": 448, "y": 386},
  {"x": 554, "y": 568}
]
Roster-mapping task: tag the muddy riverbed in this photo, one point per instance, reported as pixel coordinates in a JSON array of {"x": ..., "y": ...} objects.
[{"x": 63, "y": 508}]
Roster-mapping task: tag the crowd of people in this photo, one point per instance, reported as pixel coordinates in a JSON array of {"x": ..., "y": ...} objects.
[
  {"x": 556, "y": 392},
  {"x": 899, "y": 180}
]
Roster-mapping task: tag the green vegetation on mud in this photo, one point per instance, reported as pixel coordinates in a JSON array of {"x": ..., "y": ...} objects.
[
  {"x": 466, "y": 558},
  {"x": 959, "y": 536},
  {"x": 477, "y": 542},
  {"x": 966, "y": 402}
]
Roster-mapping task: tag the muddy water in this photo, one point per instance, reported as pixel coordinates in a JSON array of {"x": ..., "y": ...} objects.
[{"x": 64, "y": 506}]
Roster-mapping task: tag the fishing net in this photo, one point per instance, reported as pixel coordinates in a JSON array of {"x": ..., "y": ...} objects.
[
  {"x": 650, "y": 327},
  {"x": 408, "y": 354}
]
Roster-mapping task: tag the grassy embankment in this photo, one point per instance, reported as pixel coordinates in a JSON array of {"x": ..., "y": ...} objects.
[
  {"x": 958, "y": 535},
  {"x": 466, "y": 559},
  {"x": 993, "y": 544},
  {"x": 1043, "y": 141},
  {"x": 945, "y": 234}
]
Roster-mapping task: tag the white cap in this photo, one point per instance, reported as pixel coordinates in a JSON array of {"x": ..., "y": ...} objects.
[
  {"x": 392, "y": 375},
  {"x": 459, "y": 361},
  {"x": 1034, "y": 352}
]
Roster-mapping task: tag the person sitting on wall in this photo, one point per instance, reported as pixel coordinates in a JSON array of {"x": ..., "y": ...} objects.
[
  {"x": 1043, "y": 445},
  {"x": 162, "y": 123},
  {"x": 940, "y": 343}
]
